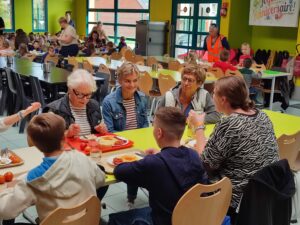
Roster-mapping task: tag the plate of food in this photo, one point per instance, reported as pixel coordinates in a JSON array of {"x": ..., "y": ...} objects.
[
  {"x": 111, "y": 141},
  {"x": 4, "y": 161},
  {"x": 118, "y": 159}
]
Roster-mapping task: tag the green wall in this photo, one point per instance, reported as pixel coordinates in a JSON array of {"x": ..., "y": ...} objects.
[
  {"x": 56, "y": 9},
  {"x": 80, "y": 9}
]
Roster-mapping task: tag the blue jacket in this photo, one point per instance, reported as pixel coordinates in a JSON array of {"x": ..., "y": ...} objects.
[
  {"x": 114, "y": 113},
  {"x": 167, "y": 176}
]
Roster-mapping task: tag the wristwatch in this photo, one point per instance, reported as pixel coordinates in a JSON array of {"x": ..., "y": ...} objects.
[{"x": 201, "y": 127}]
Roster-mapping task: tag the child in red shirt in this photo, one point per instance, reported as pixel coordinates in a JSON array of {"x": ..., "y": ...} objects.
[
  {"x": 246, "y": 53},
  {"x": 223, "y": 63}
]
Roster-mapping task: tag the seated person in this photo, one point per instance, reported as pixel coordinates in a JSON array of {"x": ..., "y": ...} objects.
[
  {"x": 35, "y": 46},
  {"x": 188, "y": 95},
  {"x": 94, "y": 38},
  {"x": 126, "y": 108},
  {"x": 81, "y": 113},
  {"x": 6, "y": 50},
  {"x": 223, "y": 63},
  {"x": 59, "y": 180},
  {"x": 50, "y": 52},
  {"x": 248, "y": 75},
  {"x": 90, "y": 50},
  {"x": 246, "y": 53},
  {"x": 122, "y": 43},
  {"x": 22, "y": 51},
  {"x": 167, "y": 175},
  {"x": 241, "y": 144},
  {"x": 110, "y": 49}
]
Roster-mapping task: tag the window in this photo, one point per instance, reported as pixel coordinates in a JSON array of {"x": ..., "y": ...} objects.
[
  {"x": 118, "y": 17},
  {"x": 39, "y": 15},
  {"x": 7, "y": 14}
]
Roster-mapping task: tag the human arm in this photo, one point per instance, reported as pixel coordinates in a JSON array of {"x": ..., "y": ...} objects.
[
  {"x": 107, "y": 115},
  {"x": 197, "y": 120},
  {"x": 101, "y": 128},
  {"x": 72, "y": 131},
  {"x": 225, "y": 43},
  {"x": 211, "y": 115}
]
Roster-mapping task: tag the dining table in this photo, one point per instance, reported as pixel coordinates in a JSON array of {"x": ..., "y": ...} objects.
[{"x": 143, "y": 139}]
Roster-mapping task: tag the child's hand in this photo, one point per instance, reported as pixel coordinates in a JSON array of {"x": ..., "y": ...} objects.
[{"x": 101, "y": 128}]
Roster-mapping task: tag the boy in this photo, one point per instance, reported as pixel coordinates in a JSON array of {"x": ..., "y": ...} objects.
[
  {"x": 248, "y": 75},
  {"x": 122, "y": 43},
  {"x": 167, "y": 175},
  {"x": 63, "y": 179},
  {"x": 223, "y": 63}
]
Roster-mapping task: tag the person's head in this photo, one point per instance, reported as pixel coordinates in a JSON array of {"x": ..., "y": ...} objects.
[
  {"x": 81, "y": 85},
  {"x": 31, "y": 36},
  {"x": 63, "y": 22},
  {"x": 245, "y": 48},
  {"x": 224, "y": 55},
  {"x": 51, "y": 50},
  {"x": 23, "y": 50},
  {"x": 168, "y": 126},
  {"x": 91, "y": 48},
  {"x": 46, "y": 132},
  {"x": 247, "y": 63},
  {"x": 231, "y": 93},
  {"x": 36, "y": 45},
  {"x": 192, "y": 77},
  {"x": 99, "y": 25},
  {"x": 94, "y": 35},
  {"x": 128, "y": 75},
  {"x": 110, "y": 45},
  {"x": 68, "y": 15},
  {"x": 213, "y": 30},
  {"x": 122, "y": 39}
]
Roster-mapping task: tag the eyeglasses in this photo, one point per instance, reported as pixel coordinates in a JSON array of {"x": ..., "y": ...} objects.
[
  {"x": 82, "y": 96},
  {"x": 189, "y": 80}
]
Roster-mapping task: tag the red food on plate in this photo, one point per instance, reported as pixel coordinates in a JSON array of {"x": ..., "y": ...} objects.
[
  {"x": 14, "y": 159},
  {"x": 2, "y": 179},
  {"x": 119, "y": 142},
  {"x": 88, "y": 148},
  {"x": 83, "y": 146},
  {"x": 117, "y": 161},
  {"x": 8, "y": 176}
]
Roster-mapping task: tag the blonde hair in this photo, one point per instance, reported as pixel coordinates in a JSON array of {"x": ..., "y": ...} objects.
[
  {"x": 62, "y": 20},
  {"x": 246, "y": 45},
  {"x": 127, "y": 68},
  {"x": 196, "y": 71},
  {"x": 79, "y": 77}
]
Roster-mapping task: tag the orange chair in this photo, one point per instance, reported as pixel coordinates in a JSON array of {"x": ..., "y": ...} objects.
[{"x": 216, "y": 71}]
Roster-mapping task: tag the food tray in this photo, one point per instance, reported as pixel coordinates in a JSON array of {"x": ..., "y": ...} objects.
[{"x": 11, "y": 153}]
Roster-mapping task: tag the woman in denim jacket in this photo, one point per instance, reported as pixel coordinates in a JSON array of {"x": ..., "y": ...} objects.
[{"x": 126, "y": 109}]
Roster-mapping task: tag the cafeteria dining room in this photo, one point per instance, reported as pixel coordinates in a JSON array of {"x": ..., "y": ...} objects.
[{"x": 148, "y": 112}]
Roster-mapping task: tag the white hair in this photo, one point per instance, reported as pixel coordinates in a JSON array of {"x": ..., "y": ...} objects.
[{"x": 79, "y": 77}]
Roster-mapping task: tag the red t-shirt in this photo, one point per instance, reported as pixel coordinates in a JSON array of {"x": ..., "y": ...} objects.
[
  {"x": 242, "y": 58},
  {"x": 224, "y": 66}
]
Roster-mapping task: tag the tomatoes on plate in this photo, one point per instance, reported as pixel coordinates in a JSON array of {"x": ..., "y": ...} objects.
[
  {"x": 88, "y": 148},
  {"x": 14, "y": 159},
  {"x": 117, "y": 161},
  {"x": 8, "y": 176},
  {"x": 2, "y": 179}
]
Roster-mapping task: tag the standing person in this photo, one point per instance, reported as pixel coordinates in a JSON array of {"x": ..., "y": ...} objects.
[
  {"x": 69, "y": 19},
  {"x": 214, "y": 43},
  {"x": 167, "y": 175},
  {"x": 68, "y": 39},
  {"x": 2, "y": 25},
  {"x": 100, "y": 31}
]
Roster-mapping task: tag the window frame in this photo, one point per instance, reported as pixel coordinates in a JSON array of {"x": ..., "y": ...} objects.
[
  {"x": 46, "y": 17},
  {"x": 115, "y": 25},
  {"x": 13, "y": 18}
]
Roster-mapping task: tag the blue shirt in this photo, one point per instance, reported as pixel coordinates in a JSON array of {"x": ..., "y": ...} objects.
[{"x": 41, "y": 169}]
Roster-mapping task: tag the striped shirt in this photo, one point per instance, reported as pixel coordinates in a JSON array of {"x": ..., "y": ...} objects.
[
  {"x": 131, "y": 122},
  {"x": 81, "y": 119}
]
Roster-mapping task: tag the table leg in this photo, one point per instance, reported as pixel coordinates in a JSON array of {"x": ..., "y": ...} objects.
[{"x": 272, "y": 93}]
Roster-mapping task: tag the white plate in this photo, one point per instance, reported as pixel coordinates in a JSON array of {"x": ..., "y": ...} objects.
[
  {"x": 110, "y": 160},
  {"x": 126, "y": 141},
  {"x": 4, "y": 161}
]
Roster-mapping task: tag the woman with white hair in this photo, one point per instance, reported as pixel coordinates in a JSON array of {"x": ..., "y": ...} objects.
[{"x": 81, "y": 113}]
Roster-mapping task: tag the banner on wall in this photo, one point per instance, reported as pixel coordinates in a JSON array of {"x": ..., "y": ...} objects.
[{"x": 281, "y": 13}]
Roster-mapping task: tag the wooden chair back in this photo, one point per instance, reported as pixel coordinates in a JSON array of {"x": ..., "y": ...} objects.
[
  {"x": 53, "y": 59},
  {"x": 72, "y": 61},
  {"x": 174, "y": 65},
  {"x": 103, "y": 69},
  {"x": 87, "y": 212},
  {"x": 139, "y": 58},
  {"x": 129, "y": 55},
  {"x": 216, "y": 71},
  {"x": 233, "y": 73},
  {"x": 151, "y": 60},
  {"x": 88, "y": 66},
  {"x": 140, "y": 63},
  {"x": 116, "y": 56},
  {"x": 145, "y": 83},
  {"x": 123, "y": 50},
  {"x": 289, "y": 148},
  {"x": 165, "y": 83},
  {"x": 204, "y": 204}
]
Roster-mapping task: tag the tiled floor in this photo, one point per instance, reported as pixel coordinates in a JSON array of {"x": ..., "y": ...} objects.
[{"x": 115, "y": 198}]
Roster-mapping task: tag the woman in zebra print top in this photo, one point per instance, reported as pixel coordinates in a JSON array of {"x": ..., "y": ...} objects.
[{"x": 243, "y": 141}]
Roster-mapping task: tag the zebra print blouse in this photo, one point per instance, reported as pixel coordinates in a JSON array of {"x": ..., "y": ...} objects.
[{"x": 240, "y": 146}]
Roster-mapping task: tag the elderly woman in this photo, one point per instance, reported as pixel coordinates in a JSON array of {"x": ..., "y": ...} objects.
[
  {"x": 81, "y": 113},
  {"x": 68, "y": 39},
  {"x": 188, "y": 95},
  {"x": 126, "y": 108},
  {"x": 242, "y": 143}
]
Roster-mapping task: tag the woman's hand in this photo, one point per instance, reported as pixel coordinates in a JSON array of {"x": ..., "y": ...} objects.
[
  {"x": 74, "y": 130},
  {"x": 195, "y": 119},
  {"x": 34, "y": 106},
  {"x": 101, "y": 128}
]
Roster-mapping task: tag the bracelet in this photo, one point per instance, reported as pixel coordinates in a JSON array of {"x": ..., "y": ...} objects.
[
  {"x": 20, "y": 114},
  {"x": 201, "y": 127}
]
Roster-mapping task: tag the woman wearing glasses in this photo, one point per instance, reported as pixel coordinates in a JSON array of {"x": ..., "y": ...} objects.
[
  {"x": 81, "y": 113},
  {"x": 188, "y": 95}
]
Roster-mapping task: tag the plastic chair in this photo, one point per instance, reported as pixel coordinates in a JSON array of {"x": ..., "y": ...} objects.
[
  {"x": 37, "y": 91},
  {"x": 203, "y": 204},
  {"x": 216, "y": 71},
  {"x": 14, "y": 104},
  {"x": 145, "y": 83},
  {"x": 53, "y": 59},
  {"x": 112, "y": 79},
  {"x": 4, "y": 90},
  {"x": 165, "y": 83},
  {"x": 289, "y": 148},
  {"x": 233, "y": 73},
  {"x": 123, "y": 50},
  {"x": 140, "y": 63},
  {"x": 174, "y": 65},
  {"x": 138, "y": 59},
  {"x": 151, "y": 60},
  {"x": 88, "y": 66},
  {"x": 116, "y": 56},
  {"x": 129, "y": 55},
  {"x": 87, "y": 212}
]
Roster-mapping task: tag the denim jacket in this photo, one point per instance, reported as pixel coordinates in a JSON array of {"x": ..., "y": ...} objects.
[{"x": 114, "y": 113}]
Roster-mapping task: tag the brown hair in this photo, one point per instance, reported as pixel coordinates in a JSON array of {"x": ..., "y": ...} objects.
[
  {"x": 236, "y": 92},
  {"x": 46, "y": 131},
  {"x": 127, "y": 68},
  {"x": 196, "y": 71},
  {"x": 224, "y": 55},
  {"x": 247, "y": 63},
  {"x": 172, "y": 121},
  {"x": 62, "y": 20}
]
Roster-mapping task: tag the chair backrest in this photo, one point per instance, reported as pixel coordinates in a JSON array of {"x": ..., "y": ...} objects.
[
  {"x": 216, "y": 71},
  {"x": 53, "y": 59},
  {"x": 145, "y": 83},
  {"x": 123, "y": 50},
  {"x": 103, "y": 69},
  {"x": 88, "y": 66},
  {"x": 140, "y": 63},
  {"x": 204, "y": 204},
  {"x": 139, "y": 58},
  {"x": 129, "y": 55},
  {"x": 116, "y": 56},
  {"x": 289, "y": 148},
  {"x": 72, "y": 61},
  {"x": 165, "y": 83},
  {"x": 11, "y": 81},
  {"x": 37, "y": 92},
  {"x": 232, "y": 73},
  {"x": 151, "y": 60},
  {"x": 174, "y": 65},
  {"x": 87, "y": 212}
]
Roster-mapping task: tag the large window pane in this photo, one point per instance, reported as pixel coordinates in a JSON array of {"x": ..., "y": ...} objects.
[
  {"x": 131, "y": 18},
  {"x": 185, "y": 9},
  {"x": 6, "y": 12},
  {"x": 128, "y": 32},
  {"x": 39, "y": 15},
  {"x": 200, "y": 40},
  {"x": 210, "y": 10},
  {"x": 183, "y": 39},
  {"x": 134, "y": 4},
  {"x": 104, "y": 17},
  {"x": 203, "y": 25},
  {"x": 184, "y": 24},
  {"x": 101, "y": 4}
]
